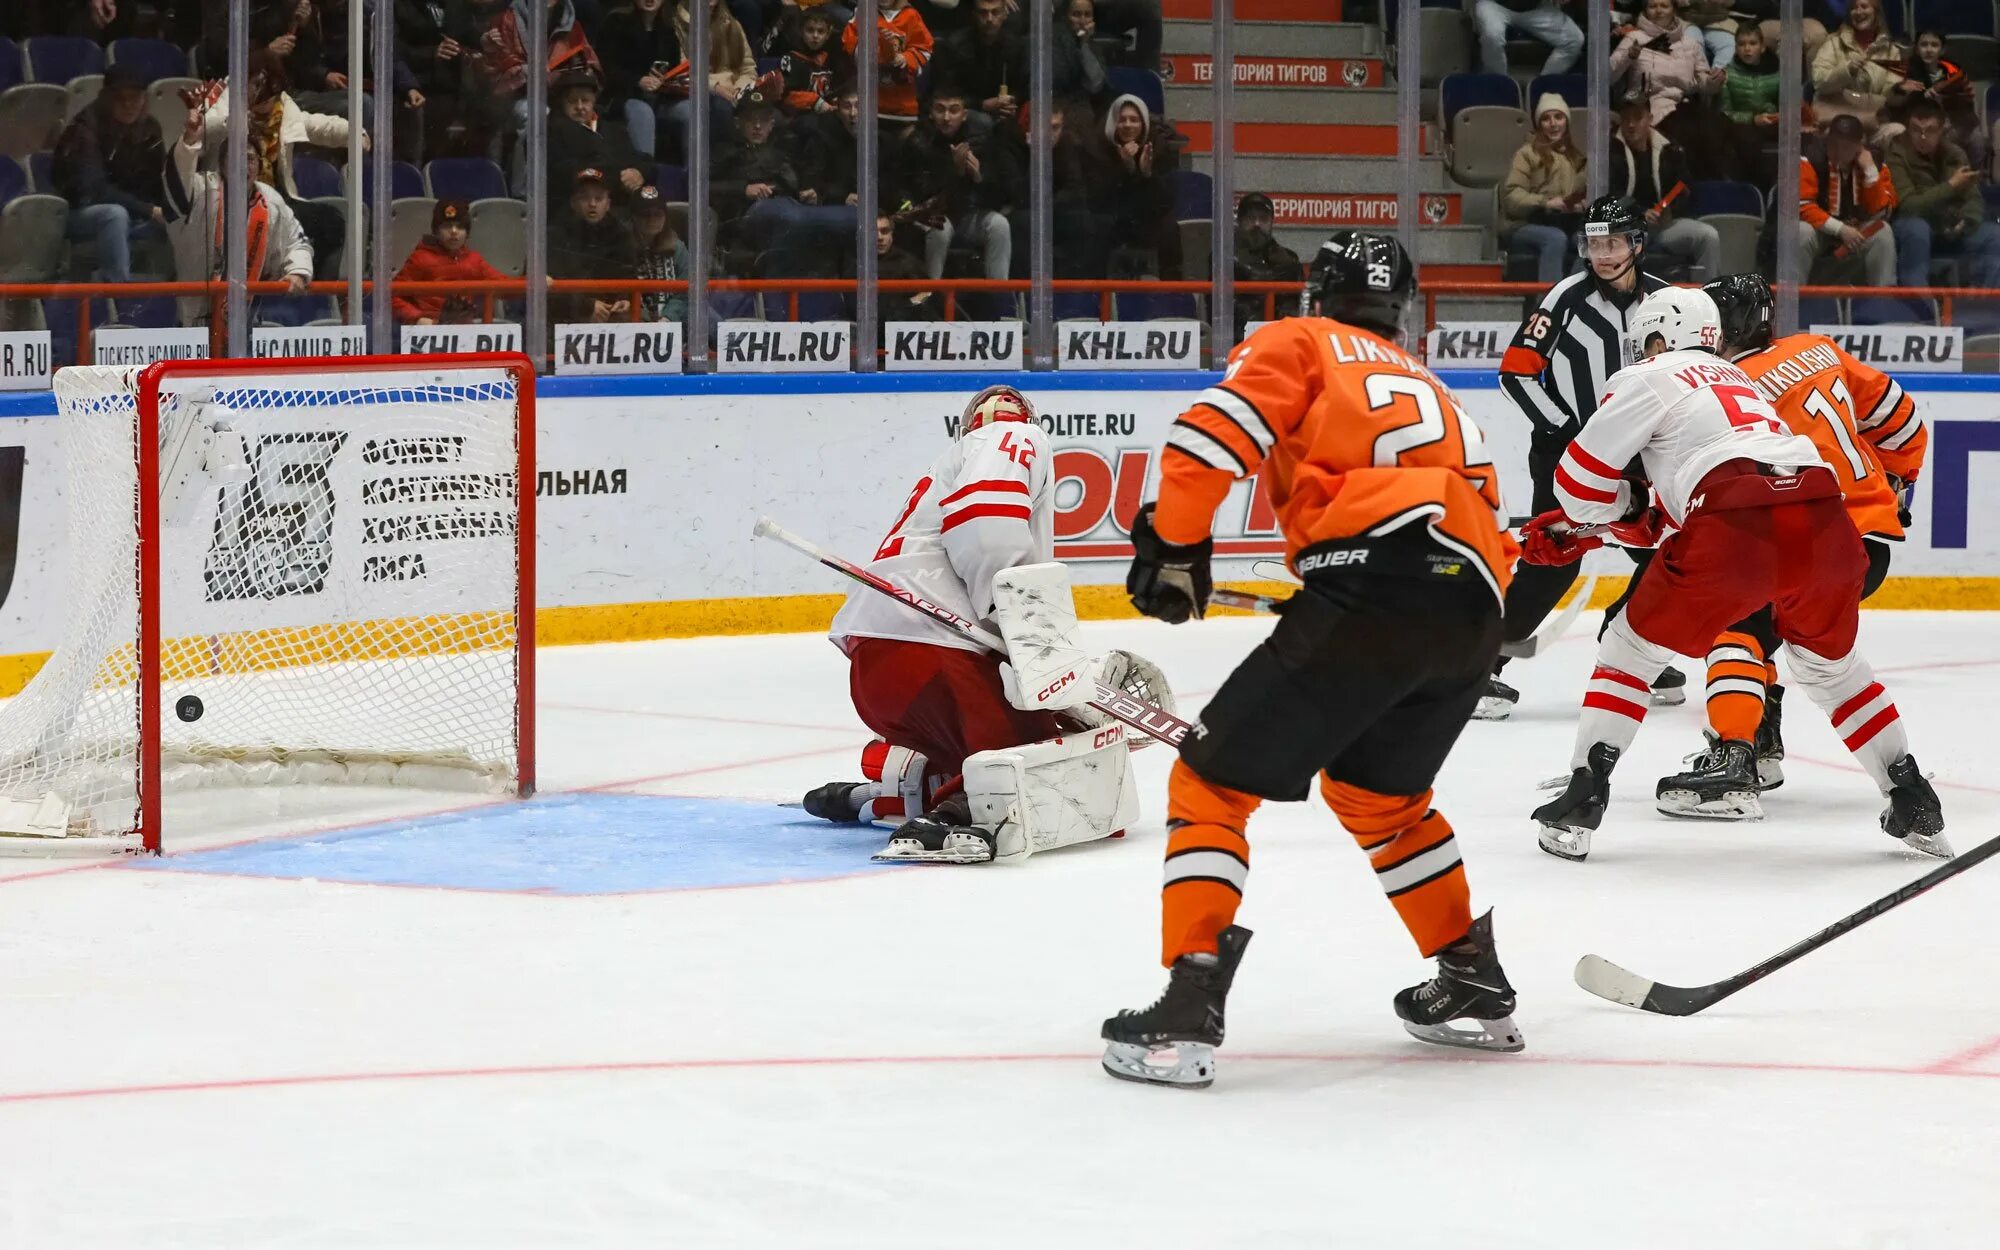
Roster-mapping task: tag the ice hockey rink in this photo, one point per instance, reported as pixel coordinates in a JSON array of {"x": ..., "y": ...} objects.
[{"x": 654, "y": 1007}]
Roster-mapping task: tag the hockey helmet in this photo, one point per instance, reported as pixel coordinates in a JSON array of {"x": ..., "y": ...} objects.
[
  {"x": 995, "y": 403},
  {"x": 1361, "y": 278},
  {"x": 1612, "y": 217},
  {"x": 1747, "y": 308},
  {"x": 1681, "y": 318}
]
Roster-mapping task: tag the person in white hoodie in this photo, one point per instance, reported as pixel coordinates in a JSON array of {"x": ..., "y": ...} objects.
[
  {"x": 1141, "y": 196},
  {"x": 278, "y": 249}
]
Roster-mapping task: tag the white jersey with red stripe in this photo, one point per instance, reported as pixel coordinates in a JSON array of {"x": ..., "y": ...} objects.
[
  {"x": 1682, "y": 414},
  {"x": 987, "y": 504}
]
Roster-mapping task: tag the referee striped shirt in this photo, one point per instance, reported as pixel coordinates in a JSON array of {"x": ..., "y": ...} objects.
[{"x": 1556, "y": 369}]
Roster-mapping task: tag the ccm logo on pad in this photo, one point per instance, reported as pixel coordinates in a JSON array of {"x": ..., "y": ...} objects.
[
  {"x": 1331, "y": 560},
  {"x": 1059, "y": 683}
]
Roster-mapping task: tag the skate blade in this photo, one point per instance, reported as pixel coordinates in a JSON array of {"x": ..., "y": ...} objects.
[
  {"x": 1687, "y": 805},
  {"x": 1672, "y": 696},
  {"x": 1182, "y": 1065},
  {"x": 1495, "y": 709},
  {"x": 1499, "y": 1035},
  {"x": 1770, "y": 774},
  {"x": 1569, "y": 844},
  {"x": 911, "y": 851},
  {"x": 1932, "y": 844}
]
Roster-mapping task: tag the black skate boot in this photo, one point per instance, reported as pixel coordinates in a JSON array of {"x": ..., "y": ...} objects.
[
  {"x": 1469, "y": 985},
  {"x": 1498, "y": 701},
  {"x": 1173, "y": 1041},
  {"x": 1722, "y": 785},
  {"x": 1670, "y": 688},
  {"x": 943, "y": 835},
  {"x": 1914, "y": 814},
  {"x": 835, "y": 801},
  {"x": 1568, "y": 819},
  {"x": 1771, "y": 740}
]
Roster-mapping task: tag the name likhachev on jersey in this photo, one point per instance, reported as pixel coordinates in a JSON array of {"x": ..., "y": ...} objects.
[
  {"x": 1682, "y": 413},
  {"x": 987, "y": 504}
]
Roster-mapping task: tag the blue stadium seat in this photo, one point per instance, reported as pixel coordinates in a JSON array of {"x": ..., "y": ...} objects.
[
  {"x": 406, "y": 182},
  {"x": 1147, "y": 306},
  {"x": 1459, "y": 92},
  {"x": 1075, "y": 306},
  {"x": 1953, "y": 17},
  {"x": 42, "y": 172},
  {"x": 1573, "y": 88},
  {"x": 821, "y": 306},
  {"x": 315, "y": 177},
  {"x": 1721, "y": 196},
  {"x": 291, "y": 310},
  {"x": 464, "y": 178},
  {"x": 1193, "y": 191},
  {"x": 13, "y": 180},
  {"x": 154, "y": 59},
  {"x": 11, "y": 70},
  {"x": 1144, "y": 83},
  {"x": 59, "y": 58},
  {"x": 672, "y": 181}
]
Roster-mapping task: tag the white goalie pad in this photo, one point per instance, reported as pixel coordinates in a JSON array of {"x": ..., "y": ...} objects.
[
  {"x": 1056, "y": 793},
  {"x": 1047, "y": 669}
]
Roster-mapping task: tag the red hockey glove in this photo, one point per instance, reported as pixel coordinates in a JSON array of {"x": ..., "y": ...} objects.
[
  {"x": 1644, "y": 530},
  {"x": 1551, "y": 538}
]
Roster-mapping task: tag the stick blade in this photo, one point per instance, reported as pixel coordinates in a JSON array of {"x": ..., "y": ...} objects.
[
  {"x": 765, "y": 528},
  {"x": 1608, "y": 981}
]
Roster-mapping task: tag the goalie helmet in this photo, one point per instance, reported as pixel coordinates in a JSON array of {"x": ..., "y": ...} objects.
[
  {"x": 995, "y": 403},
  {"x": 1681, "y": 318}
]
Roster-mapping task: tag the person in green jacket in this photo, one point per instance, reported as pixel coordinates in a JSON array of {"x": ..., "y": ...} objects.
[
  {"x": 1939, "y": 210},
  {"x": 1750, "y": 103}
]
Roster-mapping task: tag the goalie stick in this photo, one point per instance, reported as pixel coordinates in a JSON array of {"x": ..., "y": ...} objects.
[
  {"x": 1607, "y": 980},
  {"x": 1147, "y": 718}
]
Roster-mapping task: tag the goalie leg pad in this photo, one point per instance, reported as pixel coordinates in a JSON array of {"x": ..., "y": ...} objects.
[
  {"x": 900, "y": 784},
  {"x": 1055, "y": 793}
]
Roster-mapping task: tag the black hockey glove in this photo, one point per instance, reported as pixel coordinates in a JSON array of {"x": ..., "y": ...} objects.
[{"x": 1166, "y": 581}]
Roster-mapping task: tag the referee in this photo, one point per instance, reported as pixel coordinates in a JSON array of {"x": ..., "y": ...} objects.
[{"x": 1555, "y": 370}]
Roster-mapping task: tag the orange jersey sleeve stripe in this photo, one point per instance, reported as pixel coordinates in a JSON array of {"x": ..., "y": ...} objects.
[{"x": 1190, "y": 492}]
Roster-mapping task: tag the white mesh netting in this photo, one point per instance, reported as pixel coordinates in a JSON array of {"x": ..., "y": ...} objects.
[{"x": 338, "y": 580}]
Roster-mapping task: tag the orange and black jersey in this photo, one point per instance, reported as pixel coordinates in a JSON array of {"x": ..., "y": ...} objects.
[
  {"x": 1354, "y": 437},
  {"x": 1865, "y": 426}
]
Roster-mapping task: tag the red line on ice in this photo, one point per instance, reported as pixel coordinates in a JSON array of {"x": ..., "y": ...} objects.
[
  {"x": 891, "y": 1061},
  {"x": 1966, "y": 1061}
]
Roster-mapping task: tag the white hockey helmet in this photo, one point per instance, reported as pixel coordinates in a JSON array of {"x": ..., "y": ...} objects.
[
  {"x": 1683, "y": 318},
  {"x": 995, "y": 403}
]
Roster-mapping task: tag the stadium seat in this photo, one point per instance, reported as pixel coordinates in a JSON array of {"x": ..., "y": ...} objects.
[
  {"x": 406, "y": 182},
  {"x": 1144, "y": 83},
  {"x": 462, "y": 178},
  {"x": 1194, "y": 194},
  {"x": 1446, "y": 40},
  {"x": 1197, "y": 243},
  {"x": 672, "y": 181},
  {"x": 1955, "y": 17},
  {"x": 149, "y": 312},
  {"x": 11, "y": 70},
  {"x": 31, "y": 116},
  {"x": 59, "y": 58},
  {"x": 13, "y": 180},
  {"x": 1982, "y": 353},
  {"x": 163, "y": 101},
  {"x": 290, "y": 311},
  {"x": 1483, "y": 142},
  {"x": 1977, "y": 55},
  {"x": 153, "y": 59},
  {"x": 1149, "y": 306},
  {"x": 1739, "y": 233},
  {"x": 1075, "y": 306},
  {"x": 500, "y": 234},
  {"x": 316, "y": 179},
  {"x": 83, "y": 91},
  {"x": 409, "y": 222},
  {"x": 1817, "y": 310},
  {"x": 1707, "y": 198},
  {"x": 42, "y": 172},
  {"x": 1573, "y": 88},
  {"x": 1459, "y": 92},
  {"x": 816, "y": 306},
  {"x": 32, "y": 228}
]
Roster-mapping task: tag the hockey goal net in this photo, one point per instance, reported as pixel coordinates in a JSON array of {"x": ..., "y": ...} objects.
[{"x": 313, "y": 571}]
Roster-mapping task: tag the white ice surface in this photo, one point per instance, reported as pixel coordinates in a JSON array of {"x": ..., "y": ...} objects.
[{"x": 909, "y": 1059}]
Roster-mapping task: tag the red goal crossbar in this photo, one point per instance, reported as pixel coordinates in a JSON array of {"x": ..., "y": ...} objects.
[{"x": 150, "y": 670}]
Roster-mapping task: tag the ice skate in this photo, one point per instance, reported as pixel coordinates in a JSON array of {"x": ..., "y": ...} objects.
[
  {"x": 1568, "y": 820},
  {"x": 1722, "y": 785},
  {"x": 1771, "y": 741},
  {"x": 1173, "y": 1041},
  {"x": 1498, "y": 701},
  {"x": 1914, "y": 814},
  {"x": 1469, "y": 986},
  {"x": 1670, "y": 688},
  {"x": 943, "y": 835},
  {"x": 835, "y": 801}
]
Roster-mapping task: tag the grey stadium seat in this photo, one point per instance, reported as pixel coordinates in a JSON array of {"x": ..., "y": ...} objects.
[
  {"x": 1739, "y": 233},
  {"x": 409, "y": 222},
  {"x": 1483, "y": 142},
  {"x": 83, "y": 91},
  {"x": 32, "y": 228},
  {"x": 163, "y": 101},
  {"x": 500, "y": 234},
  {"x": 31, "y": 116}
]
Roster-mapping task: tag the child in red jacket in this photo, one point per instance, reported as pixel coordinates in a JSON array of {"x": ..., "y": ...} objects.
[{"x": 444, "y": 256}]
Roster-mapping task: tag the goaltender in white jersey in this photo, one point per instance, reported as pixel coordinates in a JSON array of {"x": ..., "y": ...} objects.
[{"x": 978, "y": 759}]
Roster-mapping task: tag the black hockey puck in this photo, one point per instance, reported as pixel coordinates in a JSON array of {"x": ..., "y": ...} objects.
[{"x": 188, "y": 708}]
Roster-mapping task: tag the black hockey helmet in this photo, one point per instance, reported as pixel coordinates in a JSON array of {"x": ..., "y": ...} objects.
[
  {"x": 1747, "y": 307},
  {"x": 1362, "y": 278},
  {"x": 1610, "y": 216}
]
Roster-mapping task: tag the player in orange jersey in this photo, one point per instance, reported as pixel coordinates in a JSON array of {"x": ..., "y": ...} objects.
[
  {"x": 1392, "y": 519},
  {"x": 1869, "y": 433}
]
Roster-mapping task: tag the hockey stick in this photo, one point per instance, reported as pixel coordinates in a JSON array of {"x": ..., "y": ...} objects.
[
  {"x": 1244, "y": 600},
  {"x": 1153, "y": 721},
  {"x": 1607, "y": 980},
  {"x": 1555, "y": 627}
]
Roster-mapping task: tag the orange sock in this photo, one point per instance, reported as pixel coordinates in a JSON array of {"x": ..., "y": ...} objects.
[
  {"x": 1208, "y": 862},
  {"x": 1415, "y": 857},
  {"x": 1737, "y": 674}
]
